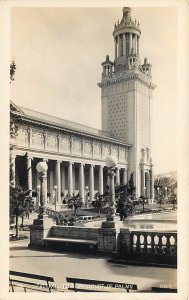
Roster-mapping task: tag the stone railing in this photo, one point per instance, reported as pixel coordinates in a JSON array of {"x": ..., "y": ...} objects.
[
  {"x": 53, "y": 214},
  {"x": 154, "y": 242},
  {"x": 158, "y": 247}
]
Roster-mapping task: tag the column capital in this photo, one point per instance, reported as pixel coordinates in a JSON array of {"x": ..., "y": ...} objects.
[
  {"x": 58, "y": 161},
  {"x": 71, "y": 163},
  {"x": 13, "y": 155},
  {"x": 30, "y": 157}
]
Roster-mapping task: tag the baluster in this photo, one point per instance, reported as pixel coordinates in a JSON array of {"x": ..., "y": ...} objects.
[
  {"x": 168, "y": 245},
  {"x": 175, "y": 236},
  {"x": 173, "y": 248},
  {"x": 152, "y": 250},
  {"x": 132, "y": 243},
  {"x": 160, "y": 244},
  {"x": 138, "y": 242},
  {"x": 145, "y": 242}
]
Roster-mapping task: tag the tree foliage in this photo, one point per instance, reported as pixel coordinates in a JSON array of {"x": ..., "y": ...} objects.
[
  {"x": 100, "y": 201},
  {"x": 13, "y": 127},
  {"x": 124, "y": 198},
  {"x": 20, "y": 203},
  {"x": 12, "y": 70},
  {"x": 75, "y": 203},
  {"x": 165, "y": 182}
]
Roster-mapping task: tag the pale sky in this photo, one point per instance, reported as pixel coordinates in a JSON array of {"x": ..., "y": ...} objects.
[{"x": 58, "y": 53}]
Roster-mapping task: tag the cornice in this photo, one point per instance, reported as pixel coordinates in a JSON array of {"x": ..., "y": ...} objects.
[{"x": 112, "y": 81}]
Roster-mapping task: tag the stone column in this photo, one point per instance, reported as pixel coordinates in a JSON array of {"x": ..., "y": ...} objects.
[
  {"x": 70, "y": 179},
  {"x": 135, "y": 43},
  {"x": 138, "y": 45},
  {"x": 115, "y": 41},
  {"x": 130, "y": 42},
  {"x": 13, "y": 168},
  {"x": 29, "y": 174},
  {"x": 63, "y": 179},
  {"x": 91, "y": 180},
  {"x": 119, "y": 46},
  {"x": 117, "y": 176},
  {"x": 58, "y": 182},
  {"x": 101, "y": 180},
  {"x": 124, "y": 176},
  {"x": 142, "y": 182},
  {"x": 73, "y": 178},
  {"x": 81, "y": 182},
  {"x": 152, "y": 184},
  {"x": 124, "y": 44}
]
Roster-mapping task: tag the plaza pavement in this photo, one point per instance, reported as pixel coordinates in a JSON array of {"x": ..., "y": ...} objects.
[{"x": 87, "y": 266}]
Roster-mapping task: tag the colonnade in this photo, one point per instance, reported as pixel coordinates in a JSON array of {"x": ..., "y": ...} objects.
[
  {"x": 126, "y": 44},
  {"x": 71, "y": 177}
]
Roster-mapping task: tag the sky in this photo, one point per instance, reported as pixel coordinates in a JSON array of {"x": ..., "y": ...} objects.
[{"x": 58, "y": 53}]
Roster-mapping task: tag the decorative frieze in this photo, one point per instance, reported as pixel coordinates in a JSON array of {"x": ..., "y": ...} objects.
[
  {"x": 52, "y": 142},
  {"x": 122, "y": 155},
  {"x": 114, "y": 151},
  {"x": 37, "y": 139},
  {"x": 76, "y": 145},
  {"x": 22, "y": 136},
  {"x": 57, "y": 142},
  {"x": 105, "y": 150},
  {"x": 64, "y": 145},
  {"x": 97, "y": 149},
  {"x": 88, "y": 147}
]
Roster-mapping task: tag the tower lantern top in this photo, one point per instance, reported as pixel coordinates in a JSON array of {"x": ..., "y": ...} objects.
[
  {"x": 127, "y": 24},
  {"x": 127, "y": 13}
]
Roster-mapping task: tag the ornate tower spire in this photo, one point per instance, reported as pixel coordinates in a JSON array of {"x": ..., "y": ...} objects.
[
  {"x": 126, "y": 37},
  {"x": 126, "y": 95}
]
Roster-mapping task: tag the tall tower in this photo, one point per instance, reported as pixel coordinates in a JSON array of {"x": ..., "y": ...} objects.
[{"x": 126, "y": 95}]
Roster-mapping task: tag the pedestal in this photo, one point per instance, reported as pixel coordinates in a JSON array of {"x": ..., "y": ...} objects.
[
  {"x": 124, "y": 242},
  {"x": 39, "y": 230},
  {"x": 108, "y": 237}
]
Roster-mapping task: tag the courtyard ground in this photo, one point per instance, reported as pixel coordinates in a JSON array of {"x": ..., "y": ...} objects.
[{"x": 86, "y": 266}]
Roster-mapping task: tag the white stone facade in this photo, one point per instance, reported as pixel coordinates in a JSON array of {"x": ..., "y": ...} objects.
[
  {"x": 75, "y": 159},
  {"x": 75, "y": 153},
  {"x": 126, "y": 93}
]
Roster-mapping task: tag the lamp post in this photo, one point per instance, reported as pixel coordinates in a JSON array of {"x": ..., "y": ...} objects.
[
  {"x": 38, "y": 198},
  {"x": 55, "y": 195},
  {"x": 145, "y": 191},
  {"x": 166, "y": 193},
  {"x": 86, "y": 195},
  {"x": 42, "y": 170},
  {"x": 41, "y": 226},
  {"x": 111, "y": 163}
]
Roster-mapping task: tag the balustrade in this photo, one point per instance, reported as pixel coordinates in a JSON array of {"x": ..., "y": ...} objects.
[{"x": 164, "y": 243}]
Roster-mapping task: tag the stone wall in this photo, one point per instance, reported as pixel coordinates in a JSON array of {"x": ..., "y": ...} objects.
[{"x": 74, "y": 232}]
